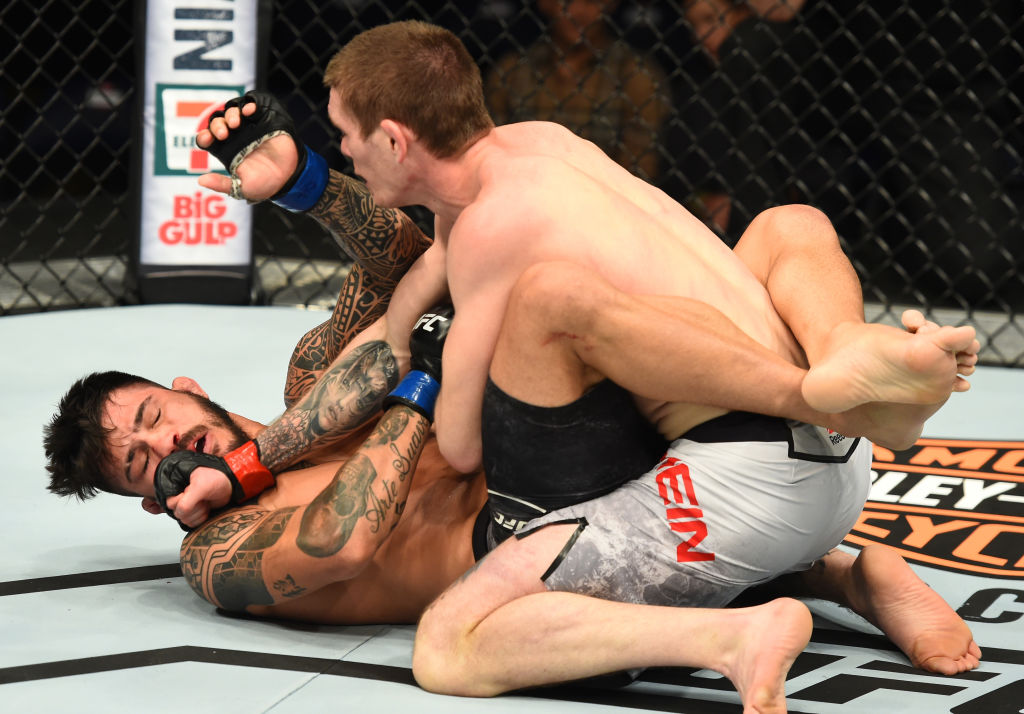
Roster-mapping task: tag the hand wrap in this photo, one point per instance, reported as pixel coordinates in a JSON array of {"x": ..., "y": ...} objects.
[
  {"x": 306, "y": 184},
  {"x": 419, "y": 389}
]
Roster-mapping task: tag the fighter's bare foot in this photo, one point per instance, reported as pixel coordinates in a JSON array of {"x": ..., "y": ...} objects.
[
  {"x": 767, "y": 642},
  {"x": 916, "y": 618},
  {"x": 966, "y": 360},
  {"x": 878, "y": 363}
]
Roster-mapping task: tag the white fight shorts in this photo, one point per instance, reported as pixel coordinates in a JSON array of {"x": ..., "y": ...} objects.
[{"x": 736, "y": 502}]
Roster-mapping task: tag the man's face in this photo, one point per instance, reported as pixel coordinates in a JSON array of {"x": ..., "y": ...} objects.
[
  {"x": 370, "y": 156},
  {"x": 707, "y": 18},
  {"x": 150, "y": 422},
  {"x": 573, "y": 20}
]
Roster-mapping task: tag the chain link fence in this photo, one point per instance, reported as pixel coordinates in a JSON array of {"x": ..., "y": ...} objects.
[{"x": 901, "y": 119}]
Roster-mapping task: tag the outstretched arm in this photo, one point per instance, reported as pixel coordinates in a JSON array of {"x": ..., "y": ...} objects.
[{"x": 253, "y": 556}]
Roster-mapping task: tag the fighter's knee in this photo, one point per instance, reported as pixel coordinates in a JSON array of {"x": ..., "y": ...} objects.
[
  {"x": 800, "y": 224},
  {"x": 438, "y": 666}
]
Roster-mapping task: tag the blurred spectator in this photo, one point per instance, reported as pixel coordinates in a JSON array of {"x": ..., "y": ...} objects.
[
  {"x": 763, "y": 135},
  {"x": 941, "y": 82},
  {"x": 582, "y": 76}
]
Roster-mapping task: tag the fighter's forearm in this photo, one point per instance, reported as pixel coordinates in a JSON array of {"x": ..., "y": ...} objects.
[
  {"x": 346, "y": 396},
  {"x": 363, "y": 299},
  {"x": 370, "y": 490},
  {"x": 384, "y": 241}
]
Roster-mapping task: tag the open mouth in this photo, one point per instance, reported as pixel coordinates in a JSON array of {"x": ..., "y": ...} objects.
[{"x": 200, "y": 445}]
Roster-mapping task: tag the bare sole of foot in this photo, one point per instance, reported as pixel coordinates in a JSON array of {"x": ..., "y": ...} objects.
[
  {"x": 894, "y": 426},
  {"x": 911, "y": 614},
  {"x": 878, "y": 363},
  {"x": 775, "y": 634}
]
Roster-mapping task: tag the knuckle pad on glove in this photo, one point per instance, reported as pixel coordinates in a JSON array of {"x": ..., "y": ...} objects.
[
  {"x": 269, "y": 119},
  {"x": 174, "y": 473}
]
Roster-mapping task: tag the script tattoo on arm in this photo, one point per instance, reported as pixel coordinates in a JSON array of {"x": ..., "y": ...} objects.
[
  {"x": 359, "y": 491},
  {"x": 342, "y": 401},
  {"x": 223, "y": 560},
  {"x": 383, "y": 243}
]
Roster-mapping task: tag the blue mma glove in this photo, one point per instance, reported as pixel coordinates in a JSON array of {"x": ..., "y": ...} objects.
[{"x": 419, "y": 389}]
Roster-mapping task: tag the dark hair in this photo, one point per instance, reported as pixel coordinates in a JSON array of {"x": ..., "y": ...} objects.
[
  {"x": 415, "y": 73},
  {"x": 75, "y": 440}
]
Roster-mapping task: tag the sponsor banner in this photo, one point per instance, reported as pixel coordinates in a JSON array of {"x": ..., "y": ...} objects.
[
  {"x": 950, "y": 504},
  {"x": 198, "y": 54}
]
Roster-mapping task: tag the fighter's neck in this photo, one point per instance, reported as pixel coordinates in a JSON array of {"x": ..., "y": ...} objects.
[
  {"x": 250, "y": 427},
  {"x": 450, "y": 185}
]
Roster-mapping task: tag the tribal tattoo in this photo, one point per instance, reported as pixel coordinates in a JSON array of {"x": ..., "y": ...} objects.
[
  {"x": 343, "y": 400},
  {"x": 383, "y": 240},
  {"x": 384, "y": 243},
  {"x": 223, "y": 560}
]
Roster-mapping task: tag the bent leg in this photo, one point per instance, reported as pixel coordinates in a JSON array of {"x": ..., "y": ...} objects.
[
  {"x": 566, "y": 328},
  {"x": 795, "y": 252},
  {"x": 498, "y": 629}
]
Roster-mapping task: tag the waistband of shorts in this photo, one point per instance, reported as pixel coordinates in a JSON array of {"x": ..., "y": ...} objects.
[
  {"x": 739, "y": 426},
  {"x": 479, "y": 538}
]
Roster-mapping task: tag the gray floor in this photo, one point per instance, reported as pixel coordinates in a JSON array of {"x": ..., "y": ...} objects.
[{"x": 94, "y": 617}]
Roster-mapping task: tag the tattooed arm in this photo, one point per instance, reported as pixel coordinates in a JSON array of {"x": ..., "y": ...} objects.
[
  {"x": 253, "y": 556},
  {"x": 383, "y": 243},
  {"x": 351, "y": 390}
]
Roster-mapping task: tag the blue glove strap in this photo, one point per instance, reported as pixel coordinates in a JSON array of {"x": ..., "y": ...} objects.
[
  {"x": 308, "y": 187},
  {"x": 418, "y": 390}
]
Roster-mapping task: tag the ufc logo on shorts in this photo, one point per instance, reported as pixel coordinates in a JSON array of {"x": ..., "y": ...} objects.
[
  {"x": 676, "y": 490},
  {"x": 427, "y": 322}
]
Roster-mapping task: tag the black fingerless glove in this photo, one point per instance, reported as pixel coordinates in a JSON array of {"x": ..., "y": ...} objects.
[
  {"x": 307, "y": 182},
  {"x": 419, "y": 389}
]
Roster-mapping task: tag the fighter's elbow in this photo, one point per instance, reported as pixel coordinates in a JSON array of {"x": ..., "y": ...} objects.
[
  {"x": 340, "y": 561},
  {"x": 461, "y": 457}
]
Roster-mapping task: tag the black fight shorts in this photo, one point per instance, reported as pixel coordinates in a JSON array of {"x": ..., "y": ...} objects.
[{"x": 538, "y": 459}]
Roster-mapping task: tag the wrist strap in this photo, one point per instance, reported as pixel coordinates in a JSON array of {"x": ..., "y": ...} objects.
[
  {"x": 251, "y": 477},
  {"x": 306, "y": 187},
  {"x": 418, "y": 391}
]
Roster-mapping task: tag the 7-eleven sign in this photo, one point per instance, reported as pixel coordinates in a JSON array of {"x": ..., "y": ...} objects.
[{"x": 180, "y": 112}]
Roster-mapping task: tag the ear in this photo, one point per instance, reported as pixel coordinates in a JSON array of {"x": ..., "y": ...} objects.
[
  {"x": 150, "y": 505},
  {"x": 187, "y": 384},
  {"x": 399, "y": 137}
]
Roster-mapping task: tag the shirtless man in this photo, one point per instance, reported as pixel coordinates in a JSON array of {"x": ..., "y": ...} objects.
[
  {"x": 440, "y": 149},
  {"x": 585, "y": 210}
]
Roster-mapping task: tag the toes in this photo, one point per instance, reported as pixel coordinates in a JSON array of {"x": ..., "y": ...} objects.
[{"x": 912, "y": 320}]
